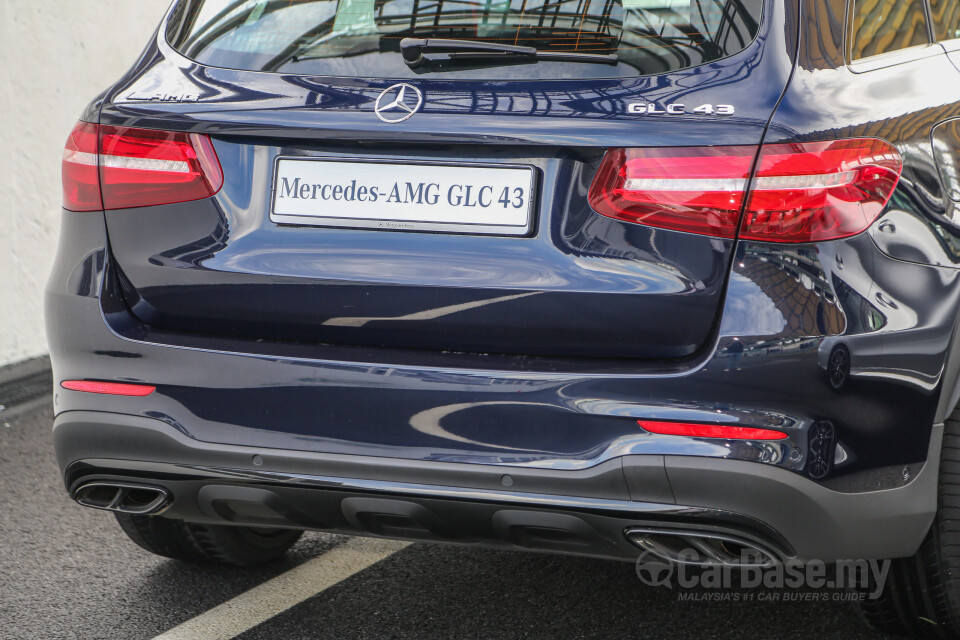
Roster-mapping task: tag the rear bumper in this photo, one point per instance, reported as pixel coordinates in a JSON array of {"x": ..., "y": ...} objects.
[
  {"x": 432, "y": 435},
  {"x": 583, "y": 511},
  {"x": 573, "y": 414}
]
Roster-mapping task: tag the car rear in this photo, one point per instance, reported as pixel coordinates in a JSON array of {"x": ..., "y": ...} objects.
[{"x": 575, "y": 304}]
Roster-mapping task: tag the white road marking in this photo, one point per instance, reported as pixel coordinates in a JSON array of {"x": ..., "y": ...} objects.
[{"x": 275, "y": 596}]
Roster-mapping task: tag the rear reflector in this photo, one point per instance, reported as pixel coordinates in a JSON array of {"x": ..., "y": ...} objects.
[
  {"x": 110, "y": 388},
  {"x": 122, "y": 167},
  {"x": 800, "y": 192},
  {"x": 710, "y": 431}
]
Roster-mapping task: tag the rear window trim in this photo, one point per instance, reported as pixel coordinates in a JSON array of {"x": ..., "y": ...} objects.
[
  {"x": 931, "y": 21},
  {"x": 171, "y": 52},
  {"x": 888, "y": 58}
]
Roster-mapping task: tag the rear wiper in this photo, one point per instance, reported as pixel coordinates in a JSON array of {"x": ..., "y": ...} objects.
[{"x": 441, "y": 52}]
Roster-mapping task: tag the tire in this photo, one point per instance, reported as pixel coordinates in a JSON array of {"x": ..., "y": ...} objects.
[
  {"x": 206, "y": 543},
  {"x": 921, "y": 597}
]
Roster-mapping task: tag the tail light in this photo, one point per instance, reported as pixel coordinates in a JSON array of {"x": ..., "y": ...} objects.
[
  {"x": 801, "y": 192},
  {"x": 820, "y": 190},
  {"x": 141, "y": 167},
  {"x": 699, "y": 190},
  {"x": 126, "y": 167},
  {"x": 81, "y": 182}
]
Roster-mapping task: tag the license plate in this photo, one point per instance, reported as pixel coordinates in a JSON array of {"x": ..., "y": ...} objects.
[{"x": 453, "y": 198}]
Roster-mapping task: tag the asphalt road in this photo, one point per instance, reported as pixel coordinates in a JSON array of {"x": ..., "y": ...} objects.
[{"x": 69, "y": 572}]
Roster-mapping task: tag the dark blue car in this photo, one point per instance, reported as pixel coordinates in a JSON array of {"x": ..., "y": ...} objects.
[{"x": 595, "y": 277}]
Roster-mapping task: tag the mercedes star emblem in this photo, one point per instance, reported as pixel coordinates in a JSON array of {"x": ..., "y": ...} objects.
[{"x": 398, "y": 102}]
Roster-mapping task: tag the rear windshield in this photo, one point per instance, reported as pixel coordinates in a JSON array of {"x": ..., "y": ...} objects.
[{"x": 361, "y": 38}]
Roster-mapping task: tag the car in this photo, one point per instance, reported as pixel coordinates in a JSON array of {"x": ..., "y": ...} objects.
[{"x": 581, "y": 277}]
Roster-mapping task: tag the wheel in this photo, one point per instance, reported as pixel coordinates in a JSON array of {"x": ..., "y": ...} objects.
[
  {"x": 192, "y": 542},
  {"x": 838, "y": 367},
  {"x": 921, "y": 596}
]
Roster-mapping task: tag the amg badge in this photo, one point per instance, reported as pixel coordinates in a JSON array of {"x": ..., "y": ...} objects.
[{"x": 676, "y": 109}]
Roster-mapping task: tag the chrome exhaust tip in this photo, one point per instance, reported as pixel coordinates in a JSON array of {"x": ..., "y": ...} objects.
[
  {"x": 135, "y": 499},
  {"x": 702, "y": 548}
]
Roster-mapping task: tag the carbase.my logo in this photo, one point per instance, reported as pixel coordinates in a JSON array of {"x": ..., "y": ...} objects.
[{"x": 688, "y": 573}]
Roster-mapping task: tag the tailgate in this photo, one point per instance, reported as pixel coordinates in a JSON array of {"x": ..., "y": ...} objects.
[{"x": 269, "y": 257}]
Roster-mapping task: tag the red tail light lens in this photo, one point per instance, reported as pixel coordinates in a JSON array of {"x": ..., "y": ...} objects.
[
  {"x": 142, "y": 167},
  {"x": 81, "y": 183},
  {"x": 801, "y": 192},
  {"x": 699, "y": 190},
  {"x": 109, "y": 388},
  {"x": 121, "y": 167},
  {"x": 710, "y": 431},
  {"x": 821, "y": 190}
]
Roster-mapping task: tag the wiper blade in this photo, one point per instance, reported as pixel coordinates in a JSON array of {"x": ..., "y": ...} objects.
[{"x": 443, "y": 52}]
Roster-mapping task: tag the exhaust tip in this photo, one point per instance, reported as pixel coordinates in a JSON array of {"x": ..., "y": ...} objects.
[
  {"x": 702, "y": 548},
  {"x": 135, "y": 499}
]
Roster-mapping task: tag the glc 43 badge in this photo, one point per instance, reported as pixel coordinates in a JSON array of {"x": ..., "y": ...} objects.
[{"x": 676, "y": 109}]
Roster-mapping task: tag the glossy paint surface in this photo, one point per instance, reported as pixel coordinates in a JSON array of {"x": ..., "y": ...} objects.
[
  {"x": 581, "y": 286},
  {"x": 224, "y": 312}
]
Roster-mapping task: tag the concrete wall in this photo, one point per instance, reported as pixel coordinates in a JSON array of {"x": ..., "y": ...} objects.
[{"x": 55, "y": 55}]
